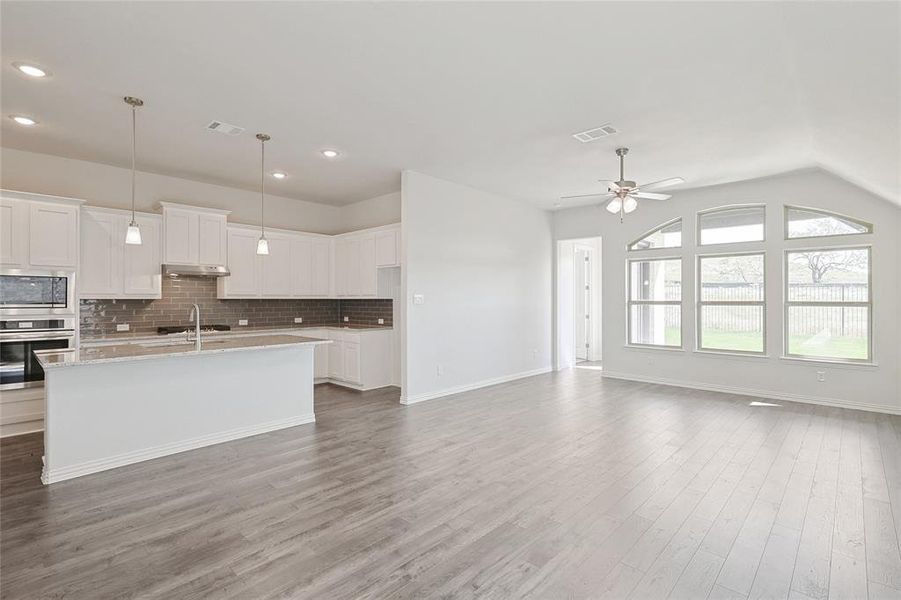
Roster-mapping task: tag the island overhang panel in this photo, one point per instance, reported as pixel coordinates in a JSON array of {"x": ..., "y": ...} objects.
[{"x": 105, "y": 414}]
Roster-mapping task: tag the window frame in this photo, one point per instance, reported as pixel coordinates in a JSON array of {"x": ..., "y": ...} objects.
[
  {"x": 728, "y": 207},
  {"x": 700, "y": 302},
  {"x": 786, "y": 303},
  {"x": 629, "y": 245},
  {"x": 785, "y": 208},
  {"x": 630, "y": 302}
]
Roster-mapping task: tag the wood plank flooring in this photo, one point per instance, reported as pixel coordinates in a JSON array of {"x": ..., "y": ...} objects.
[{"x": 564, "y": 485}]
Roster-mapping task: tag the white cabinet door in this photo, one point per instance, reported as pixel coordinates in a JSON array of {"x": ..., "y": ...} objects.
[
  {"x": 53, "y": 235},
  {"x": 320, "y": 267},
  {"x": 102, "y": 242},
  {"x": 336, "y": 357},
  {"x": 368, "y": 273},
  {"x": 341, "y": 267},
  {"x": 320, "y": 353},
  {"x": 13, "y": 233},
  {"x": 211, "y": 239},
  {"x": 180, "y": 231},
  {"x": 141, "y": 264},
  {"x": 352, "y": 362},
  {"x": 352, "y": 267},
  {"x": 275, "y": 268},
  {"x": 301, "y": 266},
  {"x": 386, "y": 248},
  {"x": 243, "y": 265}
]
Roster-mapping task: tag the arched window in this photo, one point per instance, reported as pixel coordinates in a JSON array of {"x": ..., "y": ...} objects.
[
  {"x": 808, "y": 223},
  {"x": 668, "y": 235}
]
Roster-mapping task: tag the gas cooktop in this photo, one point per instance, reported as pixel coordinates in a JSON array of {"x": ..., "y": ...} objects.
[{"x": 170, "y": 329}]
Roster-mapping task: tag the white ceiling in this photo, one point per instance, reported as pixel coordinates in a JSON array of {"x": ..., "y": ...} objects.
[{"x": 482, "y": 94}]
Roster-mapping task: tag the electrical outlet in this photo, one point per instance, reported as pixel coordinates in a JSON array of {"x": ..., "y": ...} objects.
[
  {"x": 821, "y": 375},
  {"x": 381, "y": 321},
  {"x": 298, "y": 319},
  {"x": 534, "y": 351},
  {"x": 242, "y": 321},
  {"x": 122, "y": 327},
  {"x": 440, "y": 370},
  {"x": 346, "y": 319}
]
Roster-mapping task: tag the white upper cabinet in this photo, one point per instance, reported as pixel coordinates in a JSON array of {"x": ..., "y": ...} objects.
[
  {"x": 53, "y": 236},
  {"x": 110, "y": 268},
  {"x": 297, "y": 265},
  {"x": 275, "y": 268},
  {"x": 38, "y": 231},
  {"x": 368, "y": 272},
  {"x": 194, "y": 236},
  {"x": 243, "y": 263},
  {"x": 387, "y": 248},
  {"x": 141, "y": 263},
  {"x": 13, "y": 233}
]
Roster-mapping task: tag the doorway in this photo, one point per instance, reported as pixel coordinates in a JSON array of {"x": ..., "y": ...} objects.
[{"x": 578, "y": 302}]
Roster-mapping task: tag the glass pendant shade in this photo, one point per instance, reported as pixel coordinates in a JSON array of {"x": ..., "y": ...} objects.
[
  {"x": 614, "y": 205},
  {"x": 629, "y": 204},
  {"x": 263, "y": 246},
  {"x": 133, "y": 234}
]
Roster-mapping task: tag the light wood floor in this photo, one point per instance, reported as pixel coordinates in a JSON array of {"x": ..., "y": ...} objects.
[{"x": 558, "y": 486}]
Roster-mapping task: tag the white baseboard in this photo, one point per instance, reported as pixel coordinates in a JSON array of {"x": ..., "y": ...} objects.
[
  {"x": 472, "y": 386},
  {"x": 95, "y": 466},
  {"x": 766, "y": 394}
]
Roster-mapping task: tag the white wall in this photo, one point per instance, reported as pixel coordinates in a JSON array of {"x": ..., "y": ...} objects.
[
  {"x": 381, "y": 210},
  {"x": 105, "y": 185},
  {"x": 483, "y": 264},
  {"x": 876, "y": 387}
]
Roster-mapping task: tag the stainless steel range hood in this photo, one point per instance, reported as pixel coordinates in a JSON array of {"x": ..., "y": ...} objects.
[{"x": 197, "y": 270}]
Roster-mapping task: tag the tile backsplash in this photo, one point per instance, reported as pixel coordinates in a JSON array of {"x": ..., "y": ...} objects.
[{"x": 100, "y": 317}]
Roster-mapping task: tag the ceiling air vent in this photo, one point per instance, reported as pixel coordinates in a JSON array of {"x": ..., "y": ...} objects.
[
  {"x": 596, "y": 133},
  {"x": 220, "y": 127}
]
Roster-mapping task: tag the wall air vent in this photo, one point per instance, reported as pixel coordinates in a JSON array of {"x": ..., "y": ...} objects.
[
  {"x": 596, "y": 133},
  {"x": 220, "y": 127}
]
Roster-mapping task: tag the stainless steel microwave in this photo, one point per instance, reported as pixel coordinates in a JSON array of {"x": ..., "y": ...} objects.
[{"x": 24, "y": 293}]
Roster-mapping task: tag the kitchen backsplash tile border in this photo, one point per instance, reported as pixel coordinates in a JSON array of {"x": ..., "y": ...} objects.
[{"x": 99, "y": 318}]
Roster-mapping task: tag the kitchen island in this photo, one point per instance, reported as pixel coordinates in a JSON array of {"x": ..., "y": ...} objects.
[{"x": 110, "y": 406}]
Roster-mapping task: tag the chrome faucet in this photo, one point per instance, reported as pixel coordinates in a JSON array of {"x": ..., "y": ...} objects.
[{"x": 195, "y": 310}]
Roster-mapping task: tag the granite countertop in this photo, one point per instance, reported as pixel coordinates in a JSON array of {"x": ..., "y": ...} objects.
[
  {"x": 234, "y": 332},
  {"x": 165, "y": 347}
]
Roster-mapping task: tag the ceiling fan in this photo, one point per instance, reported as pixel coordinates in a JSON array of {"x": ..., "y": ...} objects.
[{"x": 625, "y": 194}]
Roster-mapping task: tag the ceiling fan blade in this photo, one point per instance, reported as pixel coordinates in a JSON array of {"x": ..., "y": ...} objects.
[
  {"x": 598, "y": 195},
  {"x": 662, "y": 183},
  {"x": 611, "y": 185},
  {"x": 650, "y": 195}
]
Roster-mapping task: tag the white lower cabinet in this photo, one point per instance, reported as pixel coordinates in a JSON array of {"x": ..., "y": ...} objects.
[{"x": 361, "y": 359}]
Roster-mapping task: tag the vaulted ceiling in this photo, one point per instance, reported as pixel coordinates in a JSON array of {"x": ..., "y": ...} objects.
[{"x": 485, "y": 94}]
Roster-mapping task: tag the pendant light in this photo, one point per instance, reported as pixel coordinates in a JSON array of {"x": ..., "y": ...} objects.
[
  {"x": 263, "y": 243},
  {"x": 133, "y": 234}
]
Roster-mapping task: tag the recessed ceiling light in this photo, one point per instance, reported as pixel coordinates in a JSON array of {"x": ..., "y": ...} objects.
[
  {"x": 31, "y": 70},
  {"x": 330, "y": 153},
  {"x": 279, "y": 174},
  {"x": 23, "y": 120}
]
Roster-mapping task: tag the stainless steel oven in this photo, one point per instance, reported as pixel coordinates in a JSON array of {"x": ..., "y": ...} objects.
[
  {"x": 20, "y": 337},
  {"x": 26, "y": 292}
]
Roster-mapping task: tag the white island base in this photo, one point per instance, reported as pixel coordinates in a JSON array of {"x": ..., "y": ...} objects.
[{"x": 102, "y": 414}]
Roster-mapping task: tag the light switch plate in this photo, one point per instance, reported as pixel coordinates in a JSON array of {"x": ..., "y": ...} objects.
[
  {"x": 298, "y": 319},
  {"x": 418, "y": 299},
  {"x": 122, "y": 327},
  {"x": 242, "y": 321}
]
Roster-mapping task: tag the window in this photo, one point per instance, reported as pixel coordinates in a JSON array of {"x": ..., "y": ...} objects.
[
  {"x": 828, "y": 309},
  {"x": 668, "y": 235},
  {"x": 731, "y": 303},
  {"x": 731, "y": 225},
  {"x": 655, "y": 302},
  {"x": 807, "y": 222}
]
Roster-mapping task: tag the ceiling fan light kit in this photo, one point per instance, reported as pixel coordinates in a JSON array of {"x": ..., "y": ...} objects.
[{"x": 624, "y": 194}]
